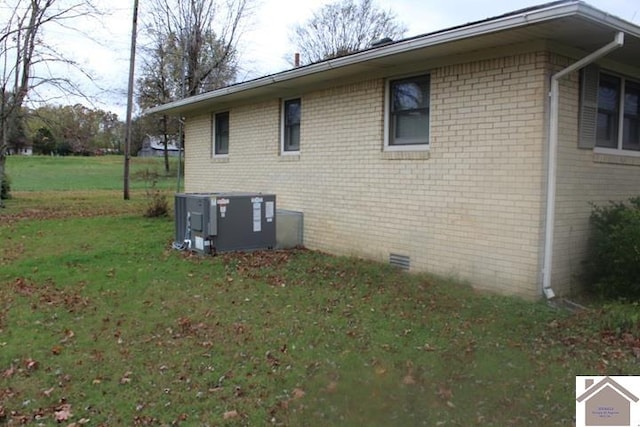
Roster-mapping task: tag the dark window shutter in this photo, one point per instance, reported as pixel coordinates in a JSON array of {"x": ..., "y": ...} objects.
[{"x": 588, "y": 119}]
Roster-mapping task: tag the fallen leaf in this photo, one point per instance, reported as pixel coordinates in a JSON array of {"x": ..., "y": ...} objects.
[
  {"x": 331, "y": 387},
  {"x": 31, "y": 364},
  {"x": 380, "y": 370},
  {"x": 63, "y": 413},
  {"x": 125, "y": 378},
  {"x": 298, "y": 393},
  {"x": 408, "y": 380},
  {"x": 68, "y": 334},
  {"x": 9, "y": 372},
  {"x": 444, "y": 393},
  {"x": 230, "y": 415},
  {"x": 56, "y": 350}
]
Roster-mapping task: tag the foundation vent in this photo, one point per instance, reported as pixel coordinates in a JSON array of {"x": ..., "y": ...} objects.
[{"x": 401, "y": 261}]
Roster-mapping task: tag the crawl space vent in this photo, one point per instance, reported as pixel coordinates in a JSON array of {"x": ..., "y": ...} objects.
[{"x": 401, "y": 261}]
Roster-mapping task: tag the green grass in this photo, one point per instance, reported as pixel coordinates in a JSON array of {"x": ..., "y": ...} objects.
[
  {"x": 98, "y": 316},
  {"x": 41, "y": 173}
]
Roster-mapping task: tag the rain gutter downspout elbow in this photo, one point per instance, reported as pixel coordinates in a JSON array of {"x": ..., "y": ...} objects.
[{"x": 552, "y": 155}]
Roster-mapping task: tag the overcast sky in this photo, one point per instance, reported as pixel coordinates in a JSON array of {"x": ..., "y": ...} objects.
[{"x": 265, "y": 46}]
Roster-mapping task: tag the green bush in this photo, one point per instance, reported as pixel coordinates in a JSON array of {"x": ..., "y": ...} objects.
[
  {"x": 158, "y": 204},
  {"x": 5, "y": 188},
  {"x": 613, "y": 265},
  {"x": 621, "y": 318}
]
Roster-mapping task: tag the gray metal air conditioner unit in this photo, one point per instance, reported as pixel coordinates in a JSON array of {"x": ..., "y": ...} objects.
[
  {"x": 227, "y": 221},
  {"x": 289, "y": 229}
]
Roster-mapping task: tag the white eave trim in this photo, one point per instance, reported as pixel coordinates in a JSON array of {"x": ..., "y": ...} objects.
[{"x": 419, "y": 42}]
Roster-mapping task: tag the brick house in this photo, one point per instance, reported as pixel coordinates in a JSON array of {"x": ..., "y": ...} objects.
[{"x": 472, "y": 152}]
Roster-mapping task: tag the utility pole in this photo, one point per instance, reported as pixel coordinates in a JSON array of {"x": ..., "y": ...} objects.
[
  {"x": 132, "y": 63},
  {"x": 183, "y": 90}
]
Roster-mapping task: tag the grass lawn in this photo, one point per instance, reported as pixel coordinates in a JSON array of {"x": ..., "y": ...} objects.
[
  {"x": 45, "y": 173},
  {"x": 101, "y": 323}
]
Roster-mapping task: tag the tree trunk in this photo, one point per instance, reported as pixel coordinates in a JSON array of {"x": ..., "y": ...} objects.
[
  {"x": 3, "y": 140},
  {"x": 3, "y": 157}
]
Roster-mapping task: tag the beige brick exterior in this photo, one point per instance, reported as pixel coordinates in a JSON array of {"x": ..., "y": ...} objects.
[
  {"x": 583, "y": 178},
  {"x": 471, "y": 208}
]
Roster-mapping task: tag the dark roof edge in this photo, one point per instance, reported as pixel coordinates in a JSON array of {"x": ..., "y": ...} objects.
[{"x": 521, "y": 17}]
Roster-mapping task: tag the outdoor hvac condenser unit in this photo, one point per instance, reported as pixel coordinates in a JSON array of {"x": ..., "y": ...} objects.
[{"x": 218, "y": 222}]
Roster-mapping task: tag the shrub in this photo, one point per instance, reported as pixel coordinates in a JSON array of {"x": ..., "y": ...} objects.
[
  {"x": 621, "y": 318},
  {"x": 613, "y": 264},
  {"x": 158, "y": 205},
  {"x": 5, "y": 188}
]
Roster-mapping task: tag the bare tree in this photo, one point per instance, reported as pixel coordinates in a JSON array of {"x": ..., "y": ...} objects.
[
  {"x": 344, "y": 27},
  {"x": 24, "y": 49},
  {"x": 191, "y": 49}
]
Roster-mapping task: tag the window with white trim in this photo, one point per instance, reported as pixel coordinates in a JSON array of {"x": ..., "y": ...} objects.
[
  {"x": 407, "y": 111},
  {"x": 290, "y": 125},
  {"x": 610, "y": 113},
  {"x": 221, "y": 134}
]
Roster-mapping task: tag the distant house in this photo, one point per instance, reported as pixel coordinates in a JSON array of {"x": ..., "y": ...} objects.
[
  {"x": 153, "y": 146},
  {"x": 472, "y": 152},
  {"x": 22, "y": 151}
]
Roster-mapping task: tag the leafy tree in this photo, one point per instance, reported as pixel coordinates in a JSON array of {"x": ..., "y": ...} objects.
[
  {"x": 191, "y": 49},
  {"x": 44, "y": 142},
  {"x": 24, "y": 52},
  {"x": 344, "y": 27},
  {"x": 74, "y": 129}
]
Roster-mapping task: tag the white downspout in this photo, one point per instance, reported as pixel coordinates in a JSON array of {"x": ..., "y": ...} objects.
[{"x": 552, "y": 159}]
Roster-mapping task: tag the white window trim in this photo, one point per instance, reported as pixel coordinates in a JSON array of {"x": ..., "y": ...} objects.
[
  {"x": 619, "y": 151},
  {"x": 616, "y": 151},
  {"x": 214, "y": 155},
  {"x": 283, "y": 152},
  {"x": 387, "y": 116}
]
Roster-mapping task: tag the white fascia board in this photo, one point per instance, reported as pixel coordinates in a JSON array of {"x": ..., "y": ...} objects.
[{"x": 419, "y": 42}]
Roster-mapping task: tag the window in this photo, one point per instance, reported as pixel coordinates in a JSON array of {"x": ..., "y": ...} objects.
[
  {"x": 608, "y": 103},
  {"x": 618, "y": 113},
  {"x": 610, "y": 113},
  {"x": 221, "y": 134},
  {"x": 407, "y": 117},
  {"x": 291, "y": 112},
  {"x": 631, "y": 118}
]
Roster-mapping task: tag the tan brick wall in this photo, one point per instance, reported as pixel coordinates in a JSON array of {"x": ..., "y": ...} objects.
[
  {"x": 583, "y": 178},
  {"x": 470, "y": 209}
]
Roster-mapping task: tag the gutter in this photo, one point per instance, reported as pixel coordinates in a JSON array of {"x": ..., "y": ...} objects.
[
  {"x": 552, "y": 159},
  {"x": 466, "y": 31}
]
